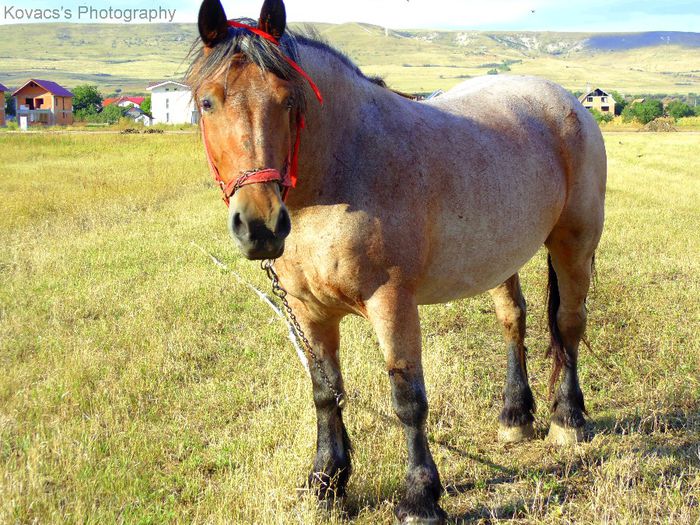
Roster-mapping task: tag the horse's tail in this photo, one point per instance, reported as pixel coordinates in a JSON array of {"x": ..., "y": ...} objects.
[{"x": 556, "y": 345}]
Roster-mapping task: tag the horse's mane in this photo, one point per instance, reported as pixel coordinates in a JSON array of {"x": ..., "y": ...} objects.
[{"x": 265, "y": 55}]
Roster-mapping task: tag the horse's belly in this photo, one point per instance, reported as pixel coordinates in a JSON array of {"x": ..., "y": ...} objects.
[
  {"x": 472, "y": 252},
  {"x": 471, "y": 271}
]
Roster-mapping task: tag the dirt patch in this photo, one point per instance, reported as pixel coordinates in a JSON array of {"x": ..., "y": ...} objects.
[{"x": 661, "y": 124}]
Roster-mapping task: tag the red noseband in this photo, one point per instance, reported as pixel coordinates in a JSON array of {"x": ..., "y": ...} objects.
[
  {"x": 256, "y": 177},
  {"x": 287, "y": 179}
]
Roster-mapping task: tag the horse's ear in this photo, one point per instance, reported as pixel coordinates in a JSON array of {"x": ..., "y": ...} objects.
[
  {"x": 273, "y": 18},
  {"x": 213, "y": 25}
]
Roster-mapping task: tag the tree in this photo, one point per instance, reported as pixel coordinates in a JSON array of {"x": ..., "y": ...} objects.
[
  {"x": 649, "y": 110},
  {"x": 599, "y": 116},
  {"x": 110, "y": 114},
  {"x": 146, "y": 105},
  {"x": 643, "y": 112},
  {"x": 620, "y": 102},
  {"x": 86, "y": 98},
  {"x": 9, "y": 105},
  {"x": 84, "y": 115},
  {"x": 627, "y": 114},
  {"x": 678, "y": 109}
]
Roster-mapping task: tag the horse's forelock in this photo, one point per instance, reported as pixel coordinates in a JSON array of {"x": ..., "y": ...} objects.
[{"x": 259, "y": 51}]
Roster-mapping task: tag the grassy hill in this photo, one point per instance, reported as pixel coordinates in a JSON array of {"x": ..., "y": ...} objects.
[{"x": 130, "y": 56}]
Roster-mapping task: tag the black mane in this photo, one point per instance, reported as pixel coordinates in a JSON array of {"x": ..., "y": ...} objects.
[{"x": 264, "y": 54}]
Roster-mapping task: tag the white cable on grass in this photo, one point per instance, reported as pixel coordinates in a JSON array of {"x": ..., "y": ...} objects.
[{"x": 264, "y": 298}]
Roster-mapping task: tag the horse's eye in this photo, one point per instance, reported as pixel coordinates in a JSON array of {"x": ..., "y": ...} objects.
[{"x": 206, "y": 104}]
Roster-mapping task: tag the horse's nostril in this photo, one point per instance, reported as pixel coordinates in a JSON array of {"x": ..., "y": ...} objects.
[
  {"x": 284, "y": 224},
  {"x": 237, "y": 222}
]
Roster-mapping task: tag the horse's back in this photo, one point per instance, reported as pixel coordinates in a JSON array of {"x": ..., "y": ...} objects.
[
  {"x": 494, "y": 102},
  {"x": 523, "y": 152}
]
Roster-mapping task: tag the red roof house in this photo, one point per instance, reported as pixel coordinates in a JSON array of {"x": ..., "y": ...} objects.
[{"x": 124, "y": 101}]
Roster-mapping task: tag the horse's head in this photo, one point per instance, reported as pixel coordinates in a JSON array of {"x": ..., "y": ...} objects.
[{"x": 249, "y": 93}]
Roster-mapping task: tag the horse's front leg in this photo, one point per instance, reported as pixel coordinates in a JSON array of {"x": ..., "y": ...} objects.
[
  {"x": 331, "y": 469},
  {"x": 394, "y": 316}
]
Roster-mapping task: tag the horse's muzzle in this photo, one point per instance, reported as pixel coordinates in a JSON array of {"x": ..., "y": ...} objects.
[{"x": 258, "y": 239}]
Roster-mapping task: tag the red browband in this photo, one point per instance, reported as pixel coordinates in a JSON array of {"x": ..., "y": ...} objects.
[{"x": 289, "y": 178}]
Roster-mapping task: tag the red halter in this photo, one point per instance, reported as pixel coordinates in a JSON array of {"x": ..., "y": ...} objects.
[{"x": 256, "y": 176}]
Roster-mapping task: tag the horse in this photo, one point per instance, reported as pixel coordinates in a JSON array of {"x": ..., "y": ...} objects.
[{"x": 398, "y": 204}]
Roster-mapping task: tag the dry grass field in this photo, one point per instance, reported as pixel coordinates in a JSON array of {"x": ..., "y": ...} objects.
[{"x": 140, "y": 384}]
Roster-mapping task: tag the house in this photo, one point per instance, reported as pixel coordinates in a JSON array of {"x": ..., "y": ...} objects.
[
  {"x": 3, "y": 89},
  {"x": 42, "y": 102},
  {"x": 138, "y": 115},
  {"x": 124, "y": 102},
  {"x": 598, "y": 99},
  {"x": 172, "y": 103}
]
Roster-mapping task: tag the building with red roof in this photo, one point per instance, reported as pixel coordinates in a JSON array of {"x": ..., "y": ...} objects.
[
  {"x": 43, "y": 102},
  {"x": 124, "y": 102}
]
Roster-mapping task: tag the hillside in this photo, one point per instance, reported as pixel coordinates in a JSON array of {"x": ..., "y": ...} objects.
[{"x": 130, "y": 56}]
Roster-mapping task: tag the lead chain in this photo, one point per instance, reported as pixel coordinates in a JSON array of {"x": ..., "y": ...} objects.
[{"x": 281, "y": 294}]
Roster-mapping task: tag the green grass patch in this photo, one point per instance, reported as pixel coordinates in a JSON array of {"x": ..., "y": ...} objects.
[{"x": 142, "y": 385}]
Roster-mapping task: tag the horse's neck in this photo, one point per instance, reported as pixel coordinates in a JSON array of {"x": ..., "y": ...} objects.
[{"x": 332, "y": 127}]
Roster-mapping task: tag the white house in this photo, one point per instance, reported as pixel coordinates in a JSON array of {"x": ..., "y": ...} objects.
[
  {"x": 172, "y": 103},
  {"x": 598, "y": 99},
  {"x": 138, "y": 115}
]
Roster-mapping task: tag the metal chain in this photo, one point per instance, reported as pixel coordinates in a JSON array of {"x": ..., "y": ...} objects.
[{"x": 281, "y": 294}]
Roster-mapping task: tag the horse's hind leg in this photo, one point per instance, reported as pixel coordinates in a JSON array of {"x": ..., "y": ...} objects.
[
  {"x": 517, "y": 415},
  {"x": 394, "y": 316},
  {"x": 570, "y": 267},
  {"x": 572, "y": 244},
  {"x": 332, "y": 467}
]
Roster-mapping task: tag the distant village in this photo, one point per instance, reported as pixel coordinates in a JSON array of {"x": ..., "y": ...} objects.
[{"x": 40, "y": 102}]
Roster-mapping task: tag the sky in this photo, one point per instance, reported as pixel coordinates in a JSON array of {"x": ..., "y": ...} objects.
[{"x": 534, "y": 15}]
